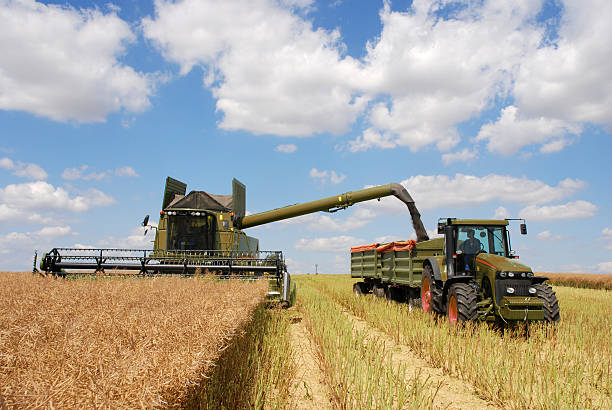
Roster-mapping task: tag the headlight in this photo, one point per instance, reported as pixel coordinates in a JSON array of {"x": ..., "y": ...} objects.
[
  {"x": 530, "y": 274},
  {"x": 523, "y": 275},
  {"x": 502, "y": 274},
  {"x": 532, "y": 291},
  {"x": 510, "y": 290},
  {"x": 510, "y": 274}
]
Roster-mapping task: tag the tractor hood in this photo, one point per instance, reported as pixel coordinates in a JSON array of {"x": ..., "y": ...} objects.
[{"x": 500, "y": 263}]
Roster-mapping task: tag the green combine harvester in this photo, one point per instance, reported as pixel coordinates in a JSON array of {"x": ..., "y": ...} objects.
[{"x": 204, "y": 233}]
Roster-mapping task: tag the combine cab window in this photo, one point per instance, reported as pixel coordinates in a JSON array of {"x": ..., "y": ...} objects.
[{"x": 187, "y": 233}]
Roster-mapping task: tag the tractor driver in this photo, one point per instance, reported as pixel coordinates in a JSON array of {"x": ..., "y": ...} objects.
[{"x": 471, "y": 245}]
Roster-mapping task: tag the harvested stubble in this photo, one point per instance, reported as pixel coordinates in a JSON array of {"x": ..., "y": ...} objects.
[
  {"x": 567, "y": 365},
  {"x": 114, "y": 343},
  {"x": 580, "y": 280}
]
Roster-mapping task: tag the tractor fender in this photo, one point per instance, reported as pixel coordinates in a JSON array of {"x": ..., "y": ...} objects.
[
  {"x": 435, "y": 267},
  {"x": 539, "y": 279}
]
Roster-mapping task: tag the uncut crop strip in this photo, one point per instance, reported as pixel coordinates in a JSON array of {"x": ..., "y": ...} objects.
[
  {"x": 114, "y": 343},
  {"x": 567, "y": 366},
  {"x": 256, "y": 370},
  {"x": 358, "y": 369},
  {"x": 580, "y": 280}
]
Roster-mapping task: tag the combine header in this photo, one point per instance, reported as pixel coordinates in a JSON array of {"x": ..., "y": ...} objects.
[{"x": 203, "y": 233}]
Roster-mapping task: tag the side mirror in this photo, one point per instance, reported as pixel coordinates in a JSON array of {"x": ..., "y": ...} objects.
[
  {"x": 145, "y": 222},
  {"x": 440, "y": 229},
  {"x": 523, "y": 229}
]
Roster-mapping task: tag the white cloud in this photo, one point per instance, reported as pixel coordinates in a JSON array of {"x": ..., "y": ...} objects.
[
  {"x": 281, "y": 76},
  {"x": 63, "y": 63},
  {"x": 570, "y": 210},
  {"x": 501, "y": 213},
  {"x": 331, "y": 244},
  {"x": 41, "y": 195},
  {"x": 315, "y": 173},
  {"x": 48, "y": 232},
  {"x": 125, "y": 172},
  {"x": 511, "y": 132},
  {"x": 464, "y": 155},
  {"x": 286, "y": 148},
  {"x": 606, "y": 235},
  {"x": 432, "y": 191},
  {"x": 571, "y": 79},
  {"x": 327, "y": 176},
  {"x": 548, "y": 237},
  {"x": 439, "y": 73},
  {"x": 604, "y": 267},
  {"x": 80, "y": 173},
  {"x": 135, "y": 240},
  {"x": 335, "y": 178},
  {"x": 322, "y": 222},
  {"x": 23, "y": 169}
]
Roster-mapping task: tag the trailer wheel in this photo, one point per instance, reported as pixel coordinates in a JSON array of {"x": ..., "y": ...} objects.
[
  {"x": 431, "y": 295},
  {"x": 358, "y": 289},
  {"x": 462, "y": 299},
  {"x": 551, "y": 304},
  {"x": 378, "y": 291}
]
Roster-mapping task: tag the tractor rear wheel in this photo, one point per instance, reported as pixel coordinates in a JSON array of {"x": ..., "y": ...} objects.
[
  {"x": 462, "y": 299},
  {"x": 431, "y": 294},
  {"x": 551, "y": 304}
]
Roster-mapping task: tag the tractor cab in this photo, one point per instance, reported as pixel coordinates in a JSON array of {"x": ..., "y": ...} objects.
[{"x": 465, "y": 240}]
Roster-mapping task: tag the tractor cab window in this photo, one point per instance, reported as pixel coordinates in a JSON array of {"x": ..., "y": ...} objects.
[{"x": 472, "y": 240}]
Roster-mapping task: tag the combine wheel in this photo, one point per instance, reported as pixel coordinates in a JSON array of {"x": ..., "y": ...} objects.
[
  {"x": 551, "y": 304},
  {"x": 462, "y": 299},
  {"x": 431, "y": 295}
]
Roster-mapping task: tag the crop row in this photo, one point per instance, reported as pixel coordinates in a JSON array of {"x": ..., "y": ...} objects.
[
  {"x": 580, "y": 280},
  {"x": 564, "y": 366}
]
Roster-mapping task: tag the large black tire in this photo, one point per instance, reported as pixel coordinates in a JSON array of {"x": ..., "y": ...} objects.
[
  {"x": 551, "y": 304},
  {"x": 433, "y": 302},
  {"x": 461, "y": 305},
  {"x": 360, "y": 288},
  {"x": 395, "y": 294},
  {"x": 378, "y": 290}
]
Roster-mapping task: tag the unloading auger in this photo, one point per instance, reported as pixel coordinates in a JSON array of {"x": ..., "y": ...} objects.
[{"x": 202, "y": 233}]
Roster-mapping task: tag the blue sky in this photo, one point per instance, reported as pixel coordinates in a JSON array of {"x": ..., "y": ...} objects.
[{"x": 480, "y": 109}]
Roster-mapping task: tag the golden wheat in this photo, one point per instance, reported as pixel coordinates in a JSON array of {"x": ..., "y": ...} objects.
[{"x": 114, "y": 343}]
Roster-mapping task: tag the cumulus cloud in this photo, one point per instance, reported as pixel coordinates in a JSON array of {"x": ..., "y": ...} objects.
[
  {"x": 286, "y": 148},
  {"x": 464, "y": 155},
  {"x": 23, "y": 169},
  {"x": 81, "y": 173},
  {"x": 548, "y": 236},
  {"x": 281, "y": 76},
  {"x": 604, "y": 267},
  {"x": 440, "y": 72},
  {"x": 41, "y": 195},
  {"x": 432, "y": 191},
  {"x": 63, "y": 63},
  {"x": 327, "y": 176},
  {"x": 322, "y": 222},
  {"x": 47, "y": 232},
  {"x": 501, "y": 213},
  {"x": 331, "y": 244},
  {"x": 606, "y": 236},
  {"x": 510, "y": 133},
  {"x": 137, "y": 239},
  {"x": 570, "y": 210}
]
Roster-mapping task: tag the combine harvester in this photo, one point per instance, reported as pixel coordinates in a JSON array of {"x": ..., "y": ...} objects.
[
  {"x": 201, "y": 232},
  {"x": 468, "y": 274}
]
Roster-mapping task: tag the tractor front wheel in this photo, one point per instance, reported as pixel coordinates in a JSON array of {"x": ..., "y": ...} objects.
[
  {"x": 551, "y": 304},
  {"x": 461, "y": 306}
]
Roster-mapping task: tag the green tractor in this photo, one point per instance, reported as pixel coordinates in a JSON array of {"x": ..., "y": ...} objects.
[{"x": 469, "y": 274}]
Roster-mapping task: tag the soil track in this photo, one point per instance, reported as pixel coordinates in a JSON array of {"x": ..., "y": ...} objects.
[
  {"x": 309, "y": 390},
  {"x": 453, "y": 393}
]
